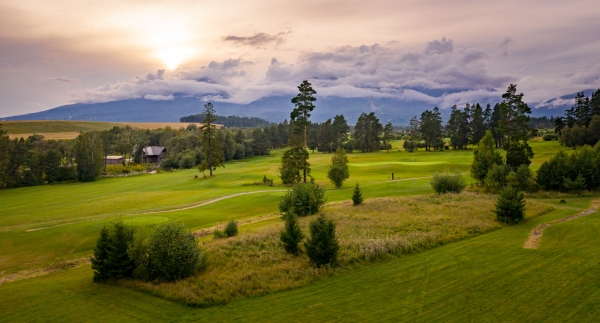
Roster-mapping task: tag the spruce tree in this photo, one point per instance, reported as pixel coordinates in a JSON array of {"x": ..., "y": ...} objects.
[
  {"x": 120, "y": 264},
  {"x": 357, "y": 197},
  {"x": 210, "y": 145},
  {"x": 292, "y": 235},
  {"x": 510, "y": 206},
  {"x": 322, "y": 246},
  {"x": 339, "y": 131},
  {"x": 100, "y": 258}
]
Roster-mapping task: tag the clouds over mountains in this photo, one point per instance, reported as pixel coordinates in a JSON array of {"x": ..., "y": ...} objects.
[{"x": 439, "y": 74}]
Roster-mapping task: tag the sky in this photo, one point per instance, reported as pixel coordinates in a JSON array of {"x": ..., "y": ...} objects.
[{"x": 441, "y": 52}]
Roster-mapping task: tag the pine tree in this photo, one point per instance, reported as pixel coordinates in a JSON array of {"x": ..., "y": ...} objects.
[
  {"x": 324, "y": 138},
  {"x": 210, "y": 145},
  {"x": 510, "y": 206},
  {"x": 292, "y": 235},
  {"x": 430, "y": 128},
  {"x": 357, "y": 197},
  {"x": 339, "y": 131},
  {"x": 322, "y": 246},
  {"x": 89, "y": 156},
  {"x": 304, "y": 105},
  {"x": 120, "y": 264},
  {"x": 478, "y": 127},
  {"x": 388, "y": 134},
  {"x": 100, "y": 258},
  {"x": 367, "y": 132},
  {"x": 293, "y": 162}
]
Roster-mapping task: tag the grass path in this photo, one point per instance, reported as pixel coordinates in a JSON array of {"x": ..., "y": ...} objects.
[{"x": 533, "y": 241}]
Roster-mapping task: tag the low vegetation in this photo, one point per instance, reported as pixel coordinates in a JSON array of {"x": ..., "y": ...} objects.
[
  {"x": 257, "y": 262},
  {"x": 448, "y": 183},
  {"x": 303, "y": 199}
]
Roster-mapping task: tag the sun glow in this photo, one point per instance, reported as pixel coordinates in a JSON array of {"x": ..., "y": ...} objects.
[{"x": 172, "y": 57}]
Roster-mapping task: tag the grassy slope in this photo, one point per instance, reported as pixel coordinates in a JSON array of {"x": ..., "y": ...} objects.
[
  {"x": 86, "y": 207},
  {"x": 486, "y": 278},
  {"x": 63, "y": 129}
]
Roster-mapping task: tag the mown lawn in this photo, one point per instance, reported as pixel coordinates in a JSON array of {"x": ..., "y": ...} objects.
[{"x": 486, "y": 278}]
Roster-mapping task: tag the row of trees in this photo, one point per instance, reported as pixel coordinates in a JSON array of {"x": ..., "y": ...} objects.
[
  {"x": 508, "y": 123},
  {"x": 581, "y": 124}
]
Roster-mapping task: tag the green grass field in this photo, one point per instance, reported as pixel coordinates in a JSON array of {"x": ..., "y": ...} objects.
[{"x": 478, "y": 279}]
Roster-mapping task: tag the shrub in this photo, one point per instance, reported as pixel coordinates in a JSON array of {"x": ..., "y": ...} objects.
[
  {"x": 495, "y": 179},
  {"x": 357, "y": 197},
  {"x": 322, "y": 246},
  {"x": 550, "y": 137},
  {"x": 485, "y": 156},
  {"x": 446, "y": 183},
  {"x": 218, "y": 234},
  {"x": 575, "y": 186},
  {"x": 267, "y": 181},
  {"x": 111, "y": 257},
  {"x": 303, "y": 199},
  {"x": 510, "y": 206},
  {"x": 337, "y": 175},
  {"x": 292, "y": 235},
  {"x": 523, "y": 179},
  {"x": 173, "y": 253},
  {"x": 231, "y": 229}
]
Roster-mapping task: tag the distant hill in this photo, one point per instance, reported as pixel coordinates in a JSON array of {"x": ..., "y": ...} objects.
[
  {"x": 271, "y": 109},
  {"x": 230, "y": 121}
]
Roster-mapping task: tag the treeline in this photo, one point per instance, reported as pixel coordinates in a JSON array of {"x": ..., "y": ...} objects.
[
  {"x": 508, "y": 122},
  {"x": 581, "y": 123},
  {"x": 230, "y": 121},
  {"x": 33, "y": 161}
]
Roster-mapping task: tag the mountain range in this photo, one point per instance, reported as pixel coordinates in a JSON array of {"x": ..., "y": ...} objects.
[{"x": 274, "y": 109}]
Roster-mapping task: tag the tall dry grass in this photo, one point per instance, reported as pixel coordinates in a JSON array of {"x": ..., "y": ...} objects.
[{"x": 255, "y": 263}]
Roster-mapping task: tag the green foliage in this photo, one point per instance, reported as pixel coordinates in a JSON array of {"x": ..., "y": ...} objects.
[
  {"x": 367, "y": 132},
  {"x": 293, "y": 162},
  {"x": 231, "y": 229},
  {"x": 485, "y": 156},
  {"x": 518, "y": 153},
  {"x": 89, "y": 156},
  {"x": 446, "y": 183},
  {"x": 211, "y": 147},
  {"x": 322, "y": 247},
  {"x": 523, "y": 179},
  {"x": 303, "y": 199},
  {"x": 339, "y": 131},
  {"x": 111, "y": 258},
  {"x": 552, "y": 173},
  {"x": 173, "y": 253},
  {"x": 431, "y": 130},
  {"x": 574, "y": 173},
  {"x": 496, "y": 178},
  {"x": 218, "y": 234},
  {"x": 576, "y": 186},
  {"x": 510, "y": 206},
  {"x": 100, "y": 263},
  {"x": 291, "y": 235},
  {"x": 357, "y": 197},
  {"x": 339, "y": 172},
  {"x": 304, "y": 105}
]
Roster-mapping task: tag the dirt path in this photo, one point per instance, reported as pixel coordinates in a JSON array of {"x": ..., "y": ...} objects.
[
  {"x": 37, "y": 272},
  {"x": 536, "y": 234}
]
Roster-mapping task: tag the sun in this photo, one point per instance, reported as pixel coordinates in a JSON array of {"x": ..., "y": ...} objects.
[{"x": 172, "y": 57}]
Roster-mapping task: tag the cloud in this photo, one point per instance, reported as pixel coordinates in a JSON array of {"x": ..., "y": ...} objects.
[
  {"x": 439, "y": 46},
  {"x": 441, "y": 75},
  {"x": 258, "y": 39},
  {"x": 64, "y": 80},
  {"x": 158, "y": 97},
  {"x": 504, "y": 46}
]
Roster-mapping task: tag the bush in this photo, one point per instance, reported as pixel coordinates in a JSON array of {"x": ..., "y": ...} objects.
[
  {"x": 495, "y": 179},
  {"x": 303, "y": 199},
  {"x": 446, "y": 183},
  {"x": 218, "y": 234},
  {"x": 510, "y": 206},
  {"x": 173, "y": 253},
  {"x": 267, "y": 181},
  {"x": 111, "y": 258},
  {"x": 576, "y": 186},
  {"x": 231, "y": 229},
  {"x": 322, "y": 246},
  {"x": 485, "y": 156},
  {"x": 337, "y": 175},
  {"x": 550, "y": 137},
  {"x": 357, "y": 197},
  {"x": 523, "y": 180},
  {"x": 292, "y": 235}
]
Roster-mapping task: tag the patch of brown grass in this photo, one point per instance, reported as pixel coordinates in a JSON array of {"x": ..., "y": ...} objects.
[{"x": 256, "y": 263}]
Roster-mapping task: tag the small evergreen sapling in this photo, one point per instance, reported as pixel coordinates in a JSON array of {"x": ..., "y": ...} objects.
[
  {"x": 231, "y": 229},
  {"x": 292, "y": 235},
  {"x": 322, "y": 246},
  {"x": 510, "y": 206},
  {"x": 357, "y": 197}
]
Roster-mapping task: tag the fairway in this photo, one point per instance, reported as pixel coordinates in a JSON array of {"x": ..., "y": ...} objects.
[{"x": 44, "y": 227}]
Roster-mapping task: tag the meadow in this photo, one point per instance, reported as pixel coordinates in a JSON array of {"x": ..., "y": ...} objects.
[
  {"x": 43, "y": 226},
  {"x": 66, "y": 129}
]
